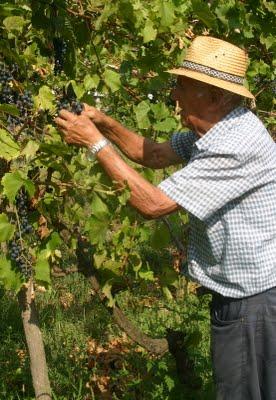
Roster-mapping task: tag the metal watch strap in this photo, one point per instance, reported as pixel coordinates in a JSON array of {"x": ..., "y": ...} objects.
[{"x": 95, "y": 148}]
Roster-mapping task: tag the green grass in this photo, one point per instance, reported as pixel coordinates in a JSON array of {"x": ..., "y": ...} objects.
[{"x": 70, "y": 316}]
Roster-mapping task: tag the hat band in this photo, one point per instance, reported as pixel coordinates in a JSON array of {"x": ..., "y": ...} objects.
[{"x": 212, "y": 72}]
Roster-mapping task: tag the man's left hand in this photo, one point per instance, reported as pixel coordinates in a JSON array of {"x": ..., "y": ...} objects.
[{"x": 77, "y": 129}]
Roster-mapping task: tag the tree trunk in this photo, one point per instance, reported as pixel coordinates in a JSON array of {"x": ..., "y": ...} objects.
[{"x": 35, "y": 344}]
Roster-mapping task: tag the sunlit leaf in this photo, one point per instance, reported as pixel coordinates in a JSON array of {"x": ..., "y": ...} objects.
[
  {"x": 42, "y": 271},
  {"x": 112, "y": 79},
  {"x": 149, "y": 33},
  {"x": 6, "y": 229},
  {"x": 14, "y": 23},
  {"x": 45, "y": 99},
  {"x": 13, "y": 181},
  {"x": 9, "y": 277}
]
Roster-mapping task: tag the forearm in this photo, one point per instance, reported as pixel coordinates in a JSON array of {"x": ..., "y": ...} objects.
[
  {"x": 141, "y": 150},
  {"x": 150, "y": 201},
  {"x": 131, "y": 144}
]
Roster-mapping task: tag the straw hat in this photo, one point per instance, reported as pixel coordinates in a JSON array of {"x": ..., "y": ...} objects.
[{"x": 216, "y": 62}]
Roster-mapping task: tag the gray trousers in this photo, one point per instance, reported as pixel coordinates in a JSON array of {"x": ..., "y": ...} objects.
[{"x": 243, "y": 346}]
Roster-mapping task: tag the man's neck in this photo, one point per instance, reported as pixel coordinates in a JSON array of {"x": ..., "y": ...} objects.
[{"x": 202, "y": 125}]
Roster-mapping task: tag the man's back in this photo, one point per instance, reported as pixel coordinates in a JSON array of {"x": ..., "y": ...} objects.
[{"x": 229, "y": 188}]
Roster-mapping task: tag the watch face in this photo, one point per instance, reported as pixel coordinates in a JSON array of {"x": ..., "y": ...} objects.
[{"x": 90, "y": 156}]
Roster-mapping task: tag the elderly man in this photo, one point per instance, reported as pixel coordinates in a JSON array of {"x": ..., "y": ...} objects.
[{"x": 228, "y": 188}]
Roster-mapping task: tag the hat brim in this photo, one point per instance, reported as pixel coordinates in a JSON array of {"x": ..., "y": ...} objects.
[{"x": 199, "y": 76}]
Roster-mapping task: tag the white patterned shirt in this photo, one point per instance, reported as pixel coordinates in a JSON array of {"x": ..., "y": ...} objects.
[{"x": 229, "y": 189}]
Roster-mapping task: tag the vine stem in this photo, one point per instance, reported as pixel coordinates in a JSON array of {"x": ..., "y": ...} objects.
[
  {"x": 18, "y": 225},
  {"x": 73, "y": 185},
  {"x": 177, "y": 241},
  {"x": 270, "y": 113},
  {"x": 7, "y": 129},
  {"x": 34, "y": 341}
]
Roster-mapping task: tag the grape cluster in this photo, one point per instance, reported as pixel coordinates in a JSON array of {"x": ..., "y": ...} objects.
[
  {"x": 71, "y": 105},
  {"x": 17, "y": 251},
  {"x": 8, "y": 73},
  {"x": 22, "y": 209},
  {"x": 24, "y": 103},
  {"x": 60, "y": 48},
  {"x": 22, "y": 260},
  {"x": 8, "y": 95}
]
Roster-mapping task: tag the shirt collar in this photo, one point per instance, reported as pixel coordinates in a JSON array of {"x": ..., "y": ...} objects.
[{"x": 220, "y": 128}]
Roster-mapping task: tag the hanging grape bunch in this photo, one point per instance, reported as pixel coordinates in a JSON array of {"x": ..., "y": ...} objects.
[
  {"x": 17, "y": 247},
  {"x": 10, "y": 95},
  {"x": 60, "y": 48},
  {"x": 70, "y": 104}
]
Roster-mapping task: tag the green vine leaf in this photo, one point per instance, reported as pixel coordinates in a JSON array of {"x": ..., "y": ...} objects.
[
  {"x": 30, "y": 149},
  {"x": 9, "y": 278},
  {"x": 6, "y": 229},
  {"x": 13, "y": 181},
  {"x": 9, "y": 109},
  {"x": 42, "y": 271},
  {"x": 14, "y": 23},
  {"x": 9, "y": 149},
  {"x": 203, "y": 12},
  {"x": 106, "y": 289},
  {"x": 112, "y": 80},
  {"x": 99, "y": 208},
  {"x": 167, "y": 125},
  {"x": 160, "y": 238},
  {"x": 141, "y": 112},
  {"x": 45, "y": 99},
  {"x": 97, "y": 228},
  {"x": 149, "y": 33},
  {"x": 166, "y": 10}
]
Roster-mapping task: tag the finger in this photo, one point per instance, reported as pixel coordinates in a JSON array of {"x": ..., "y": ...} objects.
[
  {"x": 66, "y": 137},
  {"x": 62, "y": 123},
  {"x": 87, "y": 107},
  {"x": 89, "y": 112},
  {"x": 64, "y": 131},
  {"x": 67, "y": 115}
]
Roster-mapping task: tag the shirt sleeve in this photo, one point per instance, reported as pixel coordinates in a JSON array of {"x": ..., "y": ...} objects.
[
  {"x": 182, "y": 143},
  {"x": 209, "y": 182}
]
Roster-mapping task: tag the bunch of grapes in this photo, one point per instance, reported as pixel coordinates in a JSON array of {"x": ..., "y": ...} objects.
[
  {"x": 60, "y": 48},
  {"x": 23, "y": 261},
  {"x": 72, "y": 105},
  {"x": 18, "y": 252},
  {"x": 8, "y": 95},
  {"x": 6, "y": 73},
  {"x": 22, "y": 201},
  {"x": 24, "y": 103}
]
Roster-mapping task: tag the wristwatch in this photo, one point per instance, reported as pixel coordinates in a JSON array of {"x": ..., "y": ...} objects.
[{"x": 95, "y": 148}]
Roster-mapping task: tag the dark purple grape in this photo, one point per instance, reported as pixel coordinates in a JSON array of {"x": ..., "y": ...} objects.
[
  {"x": 60, "y": 48},
  {"x": 72, "y": 105}
]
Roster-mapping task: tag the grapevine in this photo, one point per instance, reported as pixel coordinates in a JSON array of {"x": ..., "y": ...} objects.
[{"x": 18, "y": 249}]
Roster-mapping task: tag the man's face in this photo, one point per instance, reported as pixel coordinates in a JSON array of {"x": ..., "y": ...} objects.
[{"x": 192, "y": 99}]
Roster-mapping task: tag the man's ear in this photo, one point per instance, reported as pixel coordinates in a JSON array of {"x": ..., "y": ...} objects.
[{"x": 216, "y": 98}]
